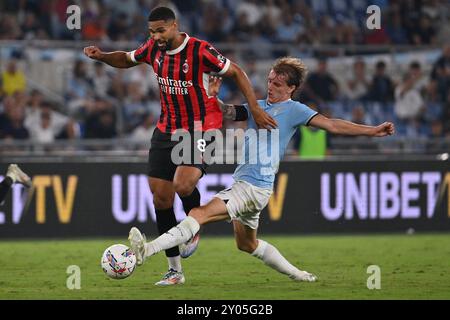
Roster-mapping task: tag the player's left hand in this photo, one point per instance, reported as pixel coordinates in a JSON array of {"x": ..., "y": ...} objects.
[
  {"x": 93, "y": 52},
  {"x": 384, "y": 129}
]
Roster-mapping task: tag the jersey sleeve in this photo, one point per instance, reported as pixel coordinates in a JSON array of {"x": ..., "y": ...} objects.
[
  {"x": 142, "y": 54},
  {"x": 214, "y": 61},
  {"x": 301, "y": 114}
]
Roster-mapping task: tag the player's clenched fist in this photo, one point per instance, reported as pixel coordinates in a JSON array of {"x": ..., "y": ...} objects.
[
  {"x": 384, "y": 129},
  {"x": 93, "y": 52}
]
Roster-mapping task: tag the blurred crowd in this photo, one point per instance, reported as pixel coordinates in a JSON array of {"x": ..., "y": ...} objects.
[
  {"x": 418, "y": 102},
  {"x": 102, "y": 102},
  {"x": 415, "y": 22},
  {"x": 97, "y": 105}
]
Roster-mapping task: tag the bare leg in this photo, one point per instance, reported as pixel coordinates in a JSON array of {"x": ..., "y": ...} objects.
[
  {"x": 185, "y": 180},
  {"x": 163, "y": 193},
  {"x": 245, "y": 237}
]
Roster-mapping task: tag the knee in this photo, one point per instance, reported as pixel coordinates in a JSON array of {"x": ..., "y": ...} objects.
[
  {"x": 247, "y": 246},
  {"x": 196, "y": 213},
  {"x": 183, "y": 188}
]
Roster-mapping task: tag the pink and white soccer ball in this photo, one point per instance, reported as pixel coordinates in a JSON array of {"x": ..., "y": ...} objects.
[{"x": 118, "y": 261}]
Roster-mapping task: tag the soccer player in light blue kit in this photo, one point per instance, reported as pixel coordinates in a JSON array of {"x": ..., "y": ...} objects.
[{"x": 250, "y": 193}]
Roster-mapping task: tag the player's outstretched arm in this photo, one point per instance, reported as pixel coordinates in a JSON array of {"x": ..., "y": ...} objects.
[
  {"x": 339, "y": 126},
  {"x": 262, "y": 119},
  {"x": 117, "y": 59}
]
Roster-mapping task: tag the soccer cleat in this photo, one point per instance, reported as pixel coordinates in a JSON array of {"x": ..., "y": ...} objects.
[
  {"x": 137, "y": 244},
  {"x": 18, "y": 176},
  {"x": 172, "y": 277},
  {"x": 187, "y": 249},
  {"x": 304, "y": 276}
]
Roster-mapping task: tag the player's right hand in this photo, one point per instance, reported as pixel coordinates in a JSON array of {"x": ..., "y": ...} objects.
[
  {"x": 93, "y": 52},
  {"x": 214, "y": 85},
  {"x": 264, "y": 120}
]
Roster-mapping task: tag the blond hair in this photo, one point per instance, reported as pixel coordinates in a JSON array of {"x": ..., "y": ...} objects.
[{"x": 293, "y": 68}]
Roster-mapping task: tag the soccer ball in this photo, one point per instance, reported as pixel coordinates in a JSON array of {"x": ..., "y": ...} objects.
[{"x": 118, "y": 261}]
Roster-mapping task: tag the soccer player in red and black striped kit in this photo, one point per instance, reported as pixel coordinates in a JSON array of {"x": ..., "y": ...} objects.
[{"x": 182, "y": 65}]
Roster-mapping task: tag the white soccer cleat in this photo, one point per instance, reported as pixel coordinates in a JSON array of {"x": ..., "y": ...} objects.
[
  {"x": 187, "y": 249},
  {"x": 304, "y": 276},
  {"x": 137, "y": 244},
  {"x": 18, "y": 176},
  {"x": 172, "y": 277}
]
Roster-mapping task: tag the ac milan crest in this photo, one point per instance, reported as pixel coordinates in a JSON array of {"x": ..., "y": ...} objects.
[{"x": 185, "y": 67}]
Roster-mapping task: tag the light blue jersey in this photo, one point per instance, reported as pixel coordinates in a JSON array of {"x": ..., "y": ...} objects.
[{"x": 261, "y": 164}]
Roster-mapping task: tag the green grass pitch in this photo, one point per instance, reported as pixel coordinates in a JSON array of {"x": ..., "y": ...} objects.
[{"x": 412, "y": 267}]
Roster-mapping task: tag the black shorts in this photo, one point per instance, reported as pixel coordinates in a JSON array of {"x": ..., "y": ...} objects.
[{"x": 160, "y": 163}]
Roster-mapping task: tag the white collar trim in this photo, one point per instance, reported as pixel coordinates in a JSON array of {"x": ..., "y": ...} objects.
[
  {"x": 269, "y": 104},
  {"x": 181, "y": 47}
]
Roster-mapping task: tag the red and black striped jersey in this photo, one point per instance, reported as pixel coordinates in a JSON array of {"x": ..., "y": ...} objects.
[{"x": 183, "y": 77}]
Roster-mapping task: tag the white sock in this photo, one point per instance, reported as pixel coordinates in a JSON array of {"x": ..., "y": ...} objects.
[
  {"x": 179, "y": 234},
  {"x": 175, "y": 263},
  {"x": 273, "y": 258}
]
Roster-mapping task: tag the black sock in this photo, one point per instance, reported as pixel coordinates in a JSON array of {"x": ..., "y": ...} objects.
[
  {"x": 192, "y": 201},
  {"x": 5, "y": 185},
  {"x": 165, "y": 220}
]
